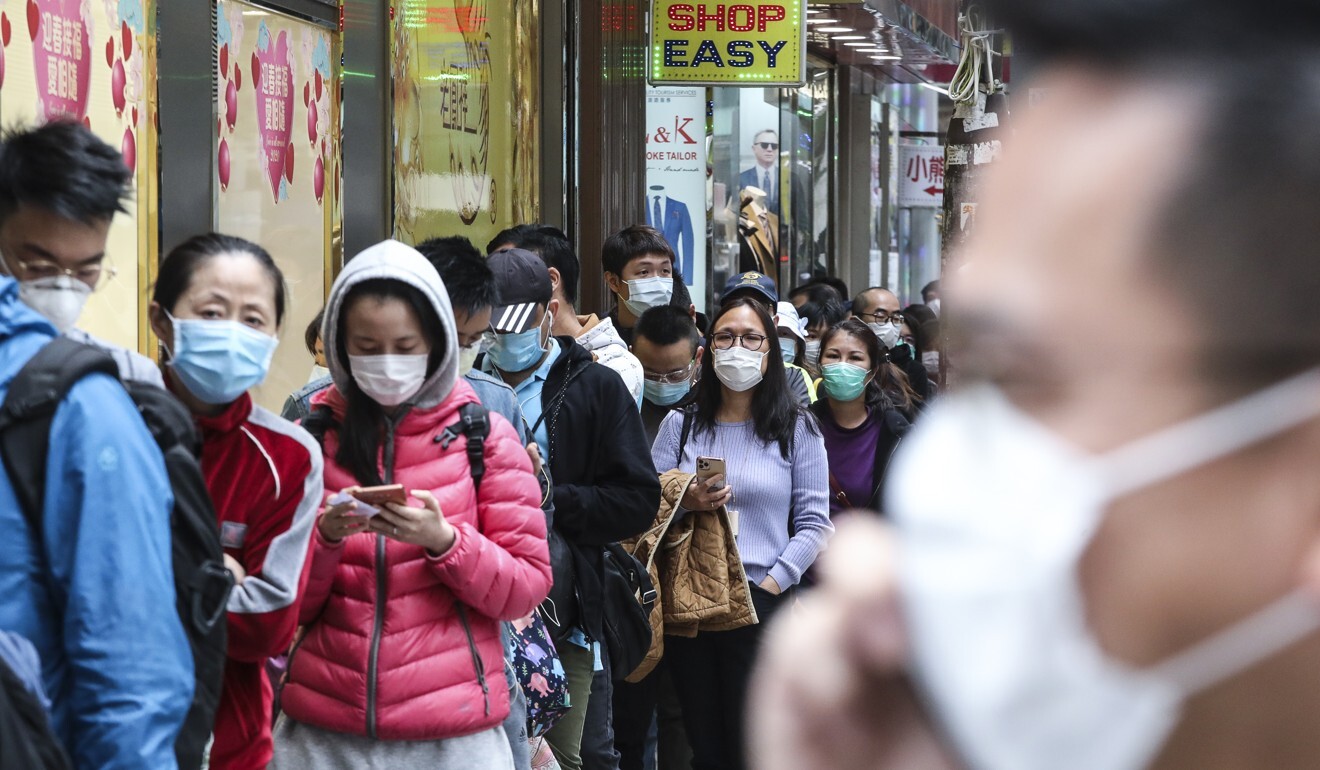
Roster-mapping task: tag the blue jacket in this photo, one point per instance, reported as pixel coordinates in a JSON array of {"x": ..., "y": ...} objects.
[{"x": 98, "y": 605}]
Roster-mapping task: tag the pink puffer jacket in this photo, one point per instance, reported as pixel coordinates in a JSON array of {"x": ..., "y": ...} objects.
[{"x": 386, "y": 654}]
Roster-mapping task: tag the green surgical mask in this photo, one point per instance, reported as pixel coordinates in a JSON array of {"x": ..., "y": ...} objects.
[{"x": 844, "y": 382}]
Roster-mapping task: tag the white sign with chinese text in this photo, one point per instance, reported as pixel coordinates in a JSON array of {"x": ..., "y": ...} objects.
[
  {"x": 920, "y": 175},
  {"x": 676, "y": 179}
]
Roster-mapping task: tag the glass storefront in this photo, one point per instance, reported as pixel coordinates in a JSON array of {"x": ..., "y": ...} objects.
[{"x": 771, "y": 157}]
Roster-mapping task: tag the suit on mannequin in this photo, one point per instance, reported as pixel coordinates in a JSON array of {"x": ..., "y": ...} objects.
[{"x": 672, "y": 219}]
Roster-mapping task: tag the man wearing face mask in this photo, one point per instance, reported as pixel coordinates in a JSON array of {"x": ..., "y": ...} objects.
[
  {"x": 61, "y": 188},
  {"x": 598, "y": 335},
  {"x": 880, "y": 310},
  {"x": 1111, "y": 583},
  {"x": 639, "y": 269},
  {"x": 605, "y": 485}
]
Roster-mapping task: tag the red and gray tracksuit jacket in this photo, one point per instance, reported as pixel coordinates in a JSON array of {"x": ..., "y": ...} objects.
[{"x": 264, "y": 474}]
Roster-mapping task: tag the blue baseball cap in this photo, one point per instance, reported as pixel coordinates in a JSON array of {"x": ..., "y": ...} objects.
[{"x": 753, "y": 281}]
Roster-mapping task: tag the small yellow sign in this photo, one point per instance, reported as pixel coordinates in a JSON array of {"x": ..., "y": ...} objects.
[{"x": 728, "y": 44}]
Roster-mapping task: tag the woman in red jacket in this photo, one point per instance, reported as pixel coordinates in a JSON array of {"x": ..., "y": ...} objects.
[
  {"x": 401, "y": 664},
  {"x": 217, "y": 306}
]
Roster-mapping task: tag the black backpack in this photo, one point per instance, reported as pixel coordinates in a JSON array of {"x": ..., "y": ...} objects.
[
  {"x": 628, "y": 598},
  {"x": 201, "y": 582},
  {"x": 26, "y": 739}
]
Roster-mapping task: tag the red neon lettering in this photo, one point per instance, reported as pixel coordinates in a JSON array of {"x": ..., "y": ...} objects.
[
  {"x": 745, "y": 26},
  {"x": 681, "y": 12},
  {"x": 768, "y": 13},
  {"x": 703, "y": 17}
]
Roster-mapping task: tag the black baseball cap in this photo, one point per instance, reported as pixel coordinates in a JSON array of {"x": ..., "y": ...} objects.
[
  {"x": 758, "y": 283},
  {"x": 523, "y": 282}
]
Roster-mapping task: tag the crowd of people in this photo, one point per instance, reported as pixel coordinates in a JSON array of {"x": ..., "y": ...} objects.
[
  {"x": 493, "y": 532},
  {"x": 467, "y": 456}
]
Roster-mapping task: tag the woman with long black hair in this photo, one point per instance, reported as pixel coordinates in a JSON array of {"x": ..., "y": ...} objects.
[
  {"x": 401, "y": 659},
  {"x": 862, "y": 426},
  {"x": 777, "y": 482}
]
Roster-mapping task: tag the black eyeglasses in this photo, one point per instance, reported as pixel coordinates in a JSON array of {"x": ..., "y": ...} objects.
[
  {"x": 767, "y": 145},
  {"x": 725, "y": 340},
  {"x": 882, "y": 317}
]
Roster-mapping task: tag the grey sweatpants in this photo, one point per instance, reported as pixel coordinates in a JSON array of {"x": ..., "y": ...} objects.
[{"x": 299, "y": 746}]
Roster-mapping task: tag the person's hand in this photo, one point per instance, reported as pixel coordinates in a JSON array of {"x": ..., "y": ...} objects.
[
  {"x": 534, "y": 452},
  {"x": 235, "y": 569},
  {"x": 830, "y": 680},
  {"x": 701, "y": 497},
  {"x": 425, "y": 526},
  {"x": 771, "y": 585},
  {"x": 337, "y": 522}
]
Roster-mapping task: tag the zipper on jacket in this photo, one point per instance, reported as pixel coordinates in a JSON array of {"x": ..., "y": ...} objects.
[
  {"x": 379, "y": 611},
  {"x": 477, "y": 663}
]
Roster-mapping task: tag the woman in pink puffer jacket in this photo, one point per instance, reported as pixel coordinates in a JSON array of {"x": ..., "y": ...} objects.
[{"x": 401, "y": 664}]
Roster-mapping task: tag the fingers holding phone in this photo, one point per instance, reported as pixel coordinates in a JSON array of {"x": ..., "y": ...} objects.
[
  {"x": 425, "y": 526},
  {"x": 707, "y": 494},
  {"x": 340, "y": 517}
]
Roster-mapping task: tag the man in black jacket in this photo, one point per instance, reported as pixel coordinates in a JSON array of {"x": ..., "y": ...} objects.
[{"x": 605, "y": 486}]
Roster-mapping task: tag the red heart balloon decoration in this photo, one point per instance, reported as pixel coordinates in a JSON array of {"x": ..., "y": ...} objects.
[
  {"x": 34, "y": 20},
  {"x": 127, "y": 39}
]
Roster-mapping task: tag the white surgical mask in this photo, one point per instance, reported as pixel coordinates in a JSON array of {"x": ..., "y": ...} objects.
[
  {"x": 467, "y": 357},
  {"x": 739, "y": 368},
  {"x": 389, "y": 380},
  {"x": 812, "y": 356},
  {"x": 318, "y": 372},
  {"x": 934, "y": 306},
  {"x": 888, "y": 333},
  {"x": 989, "y": 584},
  {"x": 60, "y": 299},
  {"x": 931, "y": 360},
  {"x": 646, "y": 293}
]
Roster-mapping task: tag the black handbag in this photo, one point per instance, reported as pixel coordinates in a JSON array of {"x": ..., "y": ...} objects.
[{"x": 628, "y": 598}]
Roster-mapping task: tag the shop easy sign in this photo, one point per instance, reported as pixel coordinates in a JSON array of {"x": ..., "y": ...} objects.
[{"x": 728, "y": 44}]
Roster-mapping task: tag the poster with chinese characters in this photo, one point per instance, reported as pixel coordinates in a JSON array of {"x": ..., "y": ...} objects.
[
  {"x": 93, "y": 62},
  {"x": 920, "y": 175},
  {"x": 676, "y": 179},
  {"x": 462, "y": 152},
  {"x": 276, "y": 162}
]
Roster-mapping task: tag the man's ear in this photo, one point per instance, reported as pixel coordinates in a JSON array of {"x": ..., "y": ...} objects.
[
  {"x": 692, "y": 312},
  {"x": 556, "y": 280},
  {"x": 552, "y": 307},
  {"x": 701, "y": 352},
  {"x": 612, "y": 281}
]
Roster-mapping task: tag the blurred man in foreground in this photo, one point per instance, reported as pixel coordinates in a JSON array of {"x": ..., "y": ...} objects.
[{"x": 1080, "y": 576}]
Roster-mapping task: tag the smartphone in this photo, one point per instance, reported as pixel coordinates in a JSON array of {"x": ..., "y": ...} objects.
[
  {"x": 710, "y": 467},
  {"x": 379, "y": 496}
]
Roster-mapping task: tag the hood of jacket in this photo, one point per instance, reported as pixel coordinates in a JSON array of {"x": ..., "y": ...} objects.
[
  {"x": 18, "y": 320},
  {"x": 395, "y": 261},
  {"x": 600, "y": 337}
]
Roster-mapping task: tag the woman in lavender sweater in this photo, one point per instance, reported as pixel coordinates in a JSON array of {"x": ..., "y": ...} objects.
[{"x": 778, "y": 484}]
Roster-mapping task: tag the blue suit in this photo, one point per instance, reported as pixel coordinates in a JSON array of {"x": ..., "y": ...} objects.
[
  {"x": 98, "y": 603},
  {"x": 677, "y": 229},
  {"x": 752, "y": 178}
]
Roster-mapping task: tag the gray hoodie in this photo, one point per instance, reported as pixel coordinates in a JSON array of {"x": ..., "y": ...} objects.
[{"x": 400, "y": 262}]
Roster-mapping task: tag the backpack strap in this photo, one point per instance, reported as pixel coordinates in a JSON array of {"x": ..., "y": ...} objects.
[
  {"x": 29, "y": 409},
  {"x": 473, "y": 422},
  {"x": 683, "y": 434},
  {"x": 318, "y": 422}
]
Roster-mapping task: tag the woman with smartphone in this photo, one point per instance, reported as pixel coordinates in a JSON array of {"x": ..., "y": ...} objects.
[
  {"x": 414, "y": 562},
  {"x": 862, "y": 426},
  {"x": 775, "y": 486},
  {"x": 217, "y": 308}
]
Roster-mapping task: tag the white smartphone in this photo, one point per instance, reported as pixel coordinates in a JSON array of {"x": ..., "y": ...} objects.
[{"x": 710, "y": 467}]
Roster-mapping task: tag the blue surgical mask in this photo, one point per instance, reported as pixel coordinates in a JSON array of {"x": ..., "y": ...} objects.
[
  {"x": 218, "y": 361},
  {"x": 665, "y": 393},
  {"x": 519, "y": 352},
  {"x": 788, "y": 351}
]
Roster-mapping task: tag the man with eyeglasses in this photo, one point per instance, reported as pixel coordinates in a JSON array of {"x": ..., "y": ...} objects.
[
  {"x": 880, "y": 310},
  {"x": 54, "y": 226},
  {"x": 765, "y": 174}
]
